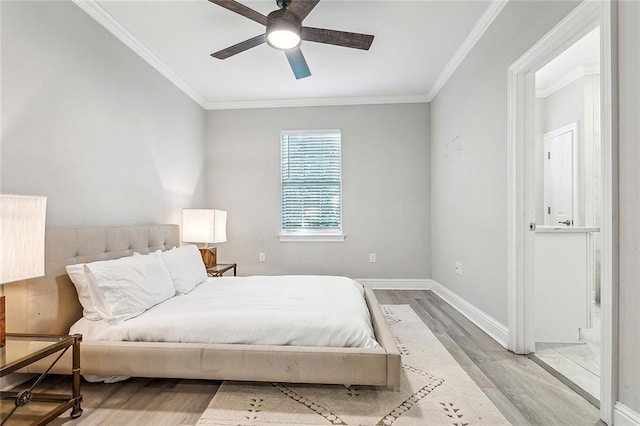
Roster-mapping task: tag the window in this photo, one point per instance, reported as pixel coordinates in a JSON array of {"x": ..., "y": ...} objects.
[{"x": 311, "y": 185}]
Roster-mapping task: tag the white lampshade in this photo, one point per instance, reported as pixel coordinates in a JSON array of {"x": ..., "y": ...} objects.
[
  {"x": 204, "y": 226},
  {"x": 22, "y": 226}
]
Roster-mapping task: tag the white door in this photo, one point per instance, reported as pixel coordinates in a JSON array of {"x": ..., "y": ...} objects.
[{"x": 560, "y": 175}]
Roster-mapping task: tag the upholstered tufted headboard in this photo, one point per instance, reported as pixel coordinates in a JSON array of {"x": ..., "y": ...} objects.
[{"x": 50, "y": 304}]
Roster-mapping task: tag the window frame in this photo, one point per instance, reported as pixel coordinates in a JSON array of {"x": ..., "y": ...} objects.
[{"x": 326, "y": 234}]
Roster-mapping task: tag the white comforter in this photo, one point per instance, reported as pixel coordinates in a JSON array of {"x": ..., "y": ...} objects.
[{"x": 259, "y": 310}]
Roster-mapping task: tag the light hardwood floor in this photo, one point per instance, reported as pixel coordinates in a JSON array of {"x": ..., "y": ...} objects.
[{"x": 524, "y": 392}]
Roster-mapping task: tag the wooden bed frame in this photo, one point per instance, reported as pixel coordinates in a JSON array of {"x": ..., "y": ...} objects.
[{"x": 50, "y": 305}]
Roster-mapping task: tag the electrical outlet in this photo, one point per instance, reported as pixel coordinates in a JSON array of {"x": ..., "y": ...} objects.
[
  {"x": 372, "y": 257},
  {"x": 261, "y": 257},
  {"x": 459, "y": 270}
]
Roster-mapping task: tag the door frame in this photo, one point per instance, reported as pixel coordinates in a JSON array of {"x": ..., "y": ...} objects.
[
  {"x": 521, "y": 195},
  {"x": 576, "y": 216}
]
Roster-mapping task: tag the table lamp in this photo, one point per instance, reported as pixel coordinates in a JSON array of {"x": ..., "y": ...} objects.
[
  {"x": 22, "y": 229},
  {"x": 207, "y": 226}
]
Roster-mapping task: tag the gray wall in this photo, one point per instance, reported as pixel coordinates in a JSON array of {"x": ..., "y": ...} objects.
[
  {"x": 565, "y": 106},
  {"x": 385, "y": 162},
  {"x": 110, "y": 141},
  {"x": 92, "y": 126},
  {"x": 629, "y": 332},
  {"x": 468, "y": 175}
]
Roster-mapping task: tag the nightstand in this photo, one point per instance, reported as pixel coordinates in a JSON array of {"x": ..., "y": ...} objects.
[
  {"x": 22, "y": 350},
  {"x": 219, "y": 269}
]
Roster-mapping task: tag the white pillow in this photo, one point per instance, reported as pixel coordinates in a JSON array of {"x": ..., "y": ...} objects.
[
  {"x": 185, "y": 267},
  {"x": 82, "y": 281},
  {"x": 124, "y": 288}
]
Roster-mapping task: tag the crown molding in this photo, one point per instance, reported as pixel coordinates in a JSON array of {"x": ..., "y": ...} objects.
[
  {"x": 577, "y": 73},
  {"x": 101, "y": 16},
  {"x": 569, "y": 78},
  {"x": 591, "y": 69},
  {"x": 478, "y": 30},
  {"x": 287, "y": 103}
]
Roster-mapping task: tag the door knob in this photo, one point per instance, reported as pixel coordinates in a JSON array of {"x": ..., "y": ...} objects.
[{"x": 566, "y": 222}]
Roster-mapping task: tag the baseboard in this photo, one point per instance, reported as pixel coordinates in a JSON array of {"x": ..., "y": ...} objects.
[
  {"x": 396, "y": 284},
  {"x": 494, "y": 328},
  {"x": 625, "y": 416}
]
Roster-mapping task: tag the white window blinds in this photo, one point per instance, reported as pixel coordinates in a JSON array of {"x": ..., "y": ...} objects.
[{"x": 311, "y": 172}]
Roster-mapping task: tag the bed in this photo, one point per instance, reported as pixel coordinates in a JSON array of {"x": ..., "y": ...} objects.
[{"x": 50, "y": 305}]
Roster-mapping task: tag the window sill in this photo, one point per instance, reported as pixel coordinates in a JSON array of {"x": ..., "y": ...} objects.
[{"x": 336, "y": 238}]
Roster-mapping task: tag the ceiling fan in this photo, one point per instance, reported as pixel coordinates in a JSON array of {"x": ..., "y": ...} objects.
[{"x": 285, "y": 32}]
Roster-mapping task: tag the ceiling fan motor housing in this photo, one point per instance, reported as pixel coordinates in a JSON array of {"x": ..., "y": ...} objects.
[{"x": 278, "y": 22}]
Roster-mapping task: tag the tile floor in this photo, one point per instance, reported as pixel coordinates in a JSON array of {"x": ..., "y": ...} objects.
[{"x": 577, "y": 362}]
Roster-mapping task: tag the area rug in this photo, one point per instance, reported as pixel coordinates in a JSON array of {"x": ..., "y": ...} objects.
[{"x": 434, "y": 390}]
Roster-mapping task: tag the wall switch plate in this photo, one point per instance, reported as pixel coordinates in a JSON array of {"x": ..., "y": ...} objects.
[
  {"x": 459, "y": 270},
  {"x": 372, "y": 257},
  {"x": 261, "y": 257}
]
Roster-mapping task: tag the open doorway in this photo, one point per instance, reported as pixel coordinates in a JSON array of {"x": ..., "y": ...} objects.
[
  {"x": 524, "y": 192},
  {"x": 569, "y": 216}
]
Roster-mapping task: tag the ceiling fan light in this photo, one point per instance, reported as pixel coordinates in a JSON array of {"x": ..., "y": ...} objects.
[{"x": 283, "y": 38}]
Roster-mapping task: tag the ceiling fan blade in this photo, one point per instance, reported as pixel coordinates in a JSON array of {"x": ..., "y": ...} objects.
[
  {"x": 243, "y": 10},
  {"x": 300, "y": 8},
  {"x": 338, "y": 38},
  {"x": 298, "y": 63},
  {"x": 240, "y": 47}
]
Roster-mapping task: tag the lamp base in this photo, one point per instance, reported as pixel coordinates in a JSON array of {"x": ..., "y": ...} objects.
[
  {"x": 2, "y": 323},
  {"x": 209, "y": 256}
]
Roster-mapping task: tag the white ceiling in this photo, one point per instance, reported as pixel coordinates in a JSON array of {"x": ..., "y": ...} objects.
[
  {"x": 583, "y": 57},
  {"x": 415, "y": 45}
]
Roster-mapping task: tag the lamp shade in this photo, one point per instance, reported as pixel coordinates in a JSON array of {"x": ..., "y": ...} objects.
[
  {"x": 22, "y": 226},
  {"x": 204, "y": 226}
]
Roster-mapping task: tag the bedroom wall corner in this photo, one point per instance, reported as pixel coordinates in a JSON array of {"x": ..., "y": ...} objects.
[
  {"x": 89, "y": 124},
  {"x": 385, "y": 166}
]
